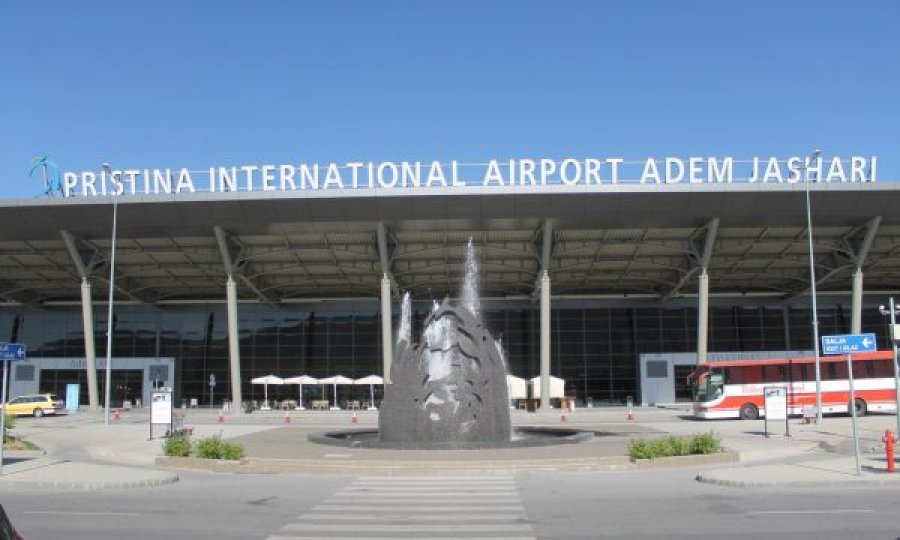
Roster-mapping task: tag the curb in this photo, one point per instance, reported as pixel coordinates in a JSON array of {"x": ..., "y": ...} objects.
[
  {"x": 672, "y": 462},
  {"x": 865, "y": 481},
  {"x": 86, "y": 486},
  {"x": 272, "y": 466}
]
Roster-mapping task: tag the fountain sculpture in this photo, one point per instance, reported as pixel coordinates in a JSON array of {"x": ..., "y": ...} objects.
[{"x": 449, "y": 389}]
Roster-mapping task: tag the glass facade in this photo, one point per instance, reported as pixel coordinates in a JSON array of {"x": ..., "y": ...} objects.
[{"x": 595, "y": 349}]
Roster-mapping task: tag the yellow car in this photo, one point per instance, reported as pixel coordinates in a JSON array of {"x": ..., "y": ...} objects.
[{"x": 36, "y": 405}]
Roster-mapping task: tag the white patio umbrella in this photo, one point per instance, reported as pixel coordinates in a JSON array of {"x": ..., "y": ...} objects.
[
  {"x": 300, "y": 380},
  {"x": 266, "y": 380},
  {"x": 371, "y": 380},
  {"x": 336, "y": 380}
]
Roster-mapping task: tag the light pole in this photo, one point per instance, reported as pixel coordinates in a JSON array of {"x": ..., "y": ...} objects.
[
  {"x": 891, "y": 336},
  {"x": 112, "y": 278},
  {"x": 812, "y": 286}
]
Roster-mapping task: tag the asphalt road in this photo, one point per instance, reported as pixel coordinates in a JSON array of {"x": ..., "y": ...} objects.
[{"x": 635, "y": 504}]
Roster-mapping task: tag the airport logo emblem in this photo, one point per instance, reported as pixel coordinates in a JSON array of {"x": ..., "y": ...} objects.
[{"x": 50, "y": 174}]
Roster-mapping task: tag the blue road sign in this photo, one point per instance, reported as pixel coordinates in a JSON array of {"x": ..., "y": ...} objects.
[
  {"x": 848, "y": 344},
  {"x": 12, "y": 351}
]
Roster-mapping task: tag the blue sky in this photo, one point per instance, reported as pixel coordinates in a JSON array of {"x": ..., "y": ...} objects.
[{"x": 200, "y": 84}]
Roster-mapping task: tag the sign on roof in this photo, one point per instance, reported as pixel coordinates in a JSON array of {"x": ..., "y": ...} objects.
[{"x": 493, "y": 173}]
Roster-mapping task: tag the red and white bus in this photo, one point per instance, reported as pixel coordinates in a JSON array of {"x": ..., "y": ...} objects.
[{"x": 734, "y": 389}]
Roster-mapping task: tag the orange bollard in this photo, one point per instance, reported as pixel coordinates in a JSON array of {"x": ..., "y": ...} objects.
[
  {"x": 353, "y": 418},
  {"x": 221, "y": 418},
  {"x": 115, "y": 414},
  {"x": 562, "y": 417},
  {"x": 889, "y": 449},
  {"x": 630, "y": 414},
  {"x": 287, "y": 417}
]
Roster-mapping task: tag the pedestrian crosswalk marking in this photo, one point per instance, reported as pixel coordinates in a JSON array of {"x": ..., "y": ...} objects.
[{"x": 415, "y": 508}]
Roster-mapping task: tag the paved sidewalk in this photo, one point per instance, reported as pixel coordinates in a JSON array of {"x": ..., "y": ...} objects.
[
  {"x": 31, "y": 472},
  {"x": 83, "y": 453},
  {"x": 818, "y": 472}
]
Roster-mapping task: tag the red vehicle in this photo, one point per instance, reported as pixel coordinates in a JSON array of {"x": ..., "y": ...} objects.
[{"x": 734, "y": 389}]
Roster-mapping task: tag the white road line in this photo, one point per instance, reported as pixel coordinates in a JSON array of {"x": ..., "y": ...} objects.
[
  {"x": 305, "y": 537},
  {"x": 410, "y": 501},
  {"x": 392, "y": 507},
  {"x": 367, "y": 527},
  {"x": 440, "y": 495},
  {"x": 412, "y": 518},
  {"x": 417, "y": 482},
  {"x": 67, "y": 513},
  {"x": 437, "y": 489},
  {"x": 835, "y": 511},
  {"x": 432, "y": 478}
]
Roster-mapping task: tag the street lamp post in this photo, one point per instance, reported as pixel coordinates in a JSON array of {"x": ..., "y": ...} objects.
[
  {"x": 109, "y": 316},
  {"x": 891, "y": 335},
  {"x": 812, "y": 286}
]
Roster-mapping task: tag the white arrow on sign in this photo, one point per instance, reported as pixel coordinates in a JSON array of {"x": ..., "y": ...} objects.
[{"x": 866, "y": 342}]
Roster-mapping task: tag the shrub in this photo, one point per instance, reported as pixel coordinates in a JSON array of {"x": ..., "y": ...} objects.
[
  {"x": 177, "y": 446},
  {"x": 215, "y": 448},
  {"x": 706, "y": 443},
  {"x": 9, "y": 423},
  {"x": 674, "y": 446}
]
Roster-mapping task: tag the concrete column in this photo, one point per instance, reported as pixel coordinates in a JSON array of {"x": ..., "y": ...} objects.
[
  {"x": 545, "y": 341},
  {"x": 90, "y": 352},
  {"x": 702, "y": 317},
  {"x": 234, "y": 344},
  {"x": 856, "y": 309},
  {"x": 387, "y": 333}
]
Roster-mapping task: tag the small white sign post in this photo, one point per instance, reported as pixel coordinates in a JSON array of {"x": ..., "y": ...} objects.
[
  {"x": 776, "y": 407},
  {"x": 161, "y": 410},
  {"x": 8, "y": 352}
]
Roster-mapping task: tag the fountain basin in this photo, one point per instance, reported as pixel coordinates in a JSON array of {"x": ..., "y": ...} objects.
[{"x": 522, "y": 437}]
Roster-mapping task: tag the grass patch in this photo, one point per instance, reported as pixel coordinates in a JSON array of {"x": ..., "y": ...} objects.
[
  {"x": 15, "y": 443},
  {"x": 704, "y": 443}
]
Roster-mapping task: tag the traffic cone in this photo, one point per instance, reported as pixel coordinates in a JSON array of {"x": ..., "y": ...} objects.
[
  {"x": 115, "y": 414},
  {"x": 221, "y": 418},
  {"x": 287, "y": 417},
  {"x": 353, "y": 417},
  {"x": 630, "y": 414}
]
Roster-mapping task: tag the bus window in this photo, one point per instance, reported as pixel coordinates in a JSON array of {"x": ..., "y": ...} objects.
[
  {"x": 883, "y": 369},
  {"x": 800, "y": 373},
  {"x": 753, "y": 374}
]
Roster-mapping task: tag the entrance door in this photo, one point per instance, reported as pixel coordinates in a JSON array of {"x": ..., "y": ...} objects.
[{"x": 682, "y": 387}]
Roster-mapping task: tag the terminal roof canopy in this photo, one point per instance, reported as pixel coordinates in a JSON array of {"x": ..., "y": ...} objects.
[{"x": 293, "y": 247}]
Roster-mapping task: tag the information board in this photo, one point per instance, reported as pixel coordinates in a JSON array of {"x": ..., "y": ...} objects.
[
  {"x": 161, "y": 408},
  {"x": 776, "y": 402}
]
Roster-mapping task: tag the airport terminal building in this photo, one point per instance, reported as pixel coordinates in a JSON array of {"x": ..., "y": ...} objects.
[{"x": 586, "y": 277}]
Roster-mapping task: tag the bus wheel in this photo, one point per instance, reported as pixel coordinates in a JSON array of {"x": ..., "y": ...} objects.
[
  {"x": 749, "y": 412},
  {"x": 860, "y": 407}
]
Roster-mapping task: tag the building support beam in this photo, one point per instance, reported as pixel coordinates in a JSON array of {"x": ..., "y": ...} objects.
[
  {"x": 90, "y": 351},
  {"x": 700, "y": 251},
  {"x": 545, "y": 341},
  {"x": 856, "y": 303},
  {"x": 712, "y": 228},
  {"x": 87, "y": 315},
  {"x": 387, "y": 332},
  {"x": 385, "y": 255},
  {"x": 234, "y": 345},
  {"x": 234, "y": 341},
  {"x": 702, "y": 317},
  {"x": 858, "y": 249}
]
